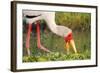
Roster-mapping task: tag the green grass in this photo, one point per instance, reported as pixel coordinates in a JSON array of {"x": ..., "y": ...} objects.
[
  {"x": 55, "y": 56},
  {"x": 57, "y": 45}
]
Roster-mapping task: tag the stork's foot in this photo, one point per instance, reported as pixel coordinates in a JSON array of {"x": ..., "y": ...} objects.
[
  {"x": 28, "y": 52},
  {"x": 44, "y": 49}
]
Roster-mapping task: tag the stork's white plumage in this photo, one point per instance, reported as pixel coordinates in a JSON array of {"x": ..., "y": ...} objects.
[{"x": 49, "y": 17}]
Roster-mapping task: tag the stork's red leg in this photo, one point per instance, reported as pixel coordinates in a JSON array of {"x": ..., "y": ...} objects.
[
  {"x": 38, "y": 38},
  {"x": 28, "y": 38}
]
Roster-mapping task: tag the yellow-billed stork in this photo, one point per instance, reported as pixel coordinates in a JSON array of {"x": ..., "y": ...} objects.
[{"x": 34, "y": 17}]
